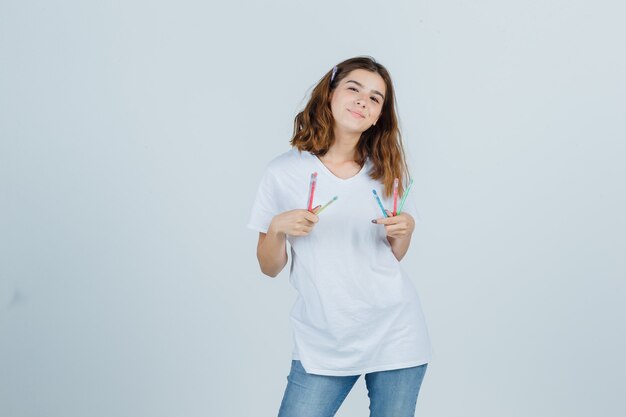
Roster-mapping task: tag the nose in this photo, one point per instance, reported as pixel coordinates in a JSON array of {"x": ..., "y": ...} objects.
[{"x": 360, "y": 102}]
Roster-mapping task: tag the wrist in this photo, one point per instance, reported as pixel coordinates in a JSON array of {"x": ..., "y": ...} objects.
[
  {"x": 274, "y": 231},
  {"x": 400, "y": 238}
]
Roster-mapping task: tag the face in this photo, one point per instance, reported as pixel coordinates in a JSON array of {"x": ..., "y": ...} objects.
[{"x": 357, "y": 101}]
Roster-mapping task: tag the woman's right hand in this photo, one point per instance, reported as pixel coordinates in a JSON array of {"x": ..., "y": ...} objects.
[{"x": 297, "y": 222}]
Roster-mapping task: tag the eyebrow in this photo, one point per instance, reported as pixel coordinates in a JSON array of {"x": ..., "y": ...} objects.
[{"x": 361, "y": 85}]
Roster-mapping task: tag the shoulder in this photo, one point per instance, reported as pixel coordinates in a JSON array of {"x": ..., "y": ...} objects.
[{"x": 289, "y": 161}]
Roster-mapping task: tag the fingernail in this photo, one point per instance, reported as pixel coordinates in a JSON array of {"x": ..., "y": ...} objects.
[{"x": 374, "y": 221}]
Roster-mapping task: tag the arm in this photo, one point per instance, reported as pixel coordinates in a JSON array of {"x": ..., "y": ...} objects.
[
  {"x": 399, "y": 230},
  {"x": 272, "y": 247},
  {"x": 399, "y": 246},
  {"x": 271, "y": 252}
]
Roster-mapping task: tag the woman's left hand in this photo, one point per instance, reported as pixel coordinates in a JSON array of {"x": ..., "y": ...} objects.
[{"x": 400, "y": 226}]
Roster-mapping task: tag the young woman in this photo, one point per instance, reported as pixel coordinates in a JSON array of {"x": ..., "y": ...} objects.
[{"x": 357, "y": 311}]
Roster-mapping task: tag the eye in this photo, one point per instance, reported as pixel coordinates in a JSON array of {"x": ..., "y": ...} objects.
[
  {"x": 375, "y": 99},
  {"x": 353, "y": 89}
]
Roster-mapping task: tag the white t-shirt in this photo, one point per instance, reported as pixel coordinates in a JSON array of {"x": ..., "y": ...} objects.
[{"x": 357, "y": 310}]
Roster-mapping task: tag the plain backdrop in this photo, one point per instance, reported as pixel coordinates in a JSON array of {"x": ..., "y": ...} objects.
[{"x": 132, "y": 137}]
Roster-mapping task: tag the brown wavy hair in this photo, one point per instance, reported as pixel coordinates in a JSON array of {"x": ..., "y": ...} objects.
[{"x": 313, "y": 127}]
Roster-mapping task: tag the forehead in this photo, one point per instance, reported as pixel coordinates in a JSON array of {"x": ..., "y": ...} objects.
[{"x": 370, "y": 80}]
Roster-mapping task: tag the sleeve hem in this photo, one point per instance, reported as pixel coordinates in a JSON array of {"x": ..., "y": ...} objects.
[{"x": 256, "y": 227}]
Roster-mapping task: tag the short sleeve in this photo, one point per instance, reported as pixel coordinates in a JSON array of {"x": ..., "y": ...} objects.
[{"x": 265, "y": 205}]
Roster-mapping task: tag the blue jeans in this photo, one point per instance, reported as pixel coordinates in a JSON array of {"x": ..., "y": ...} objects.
[{"x": 392, "y": 393}]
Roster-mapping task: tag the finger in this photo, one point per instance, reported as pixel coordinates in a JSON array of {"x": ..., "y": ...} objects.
[
  {"x": 398, "y": 231},
  {"x": 393, "y": 229},
  {"x": 312, "y": 217},
  {"x": 306, "y": 223},
  {"x": 385, "y": 220},
  {"x": 316, "y": 208}
]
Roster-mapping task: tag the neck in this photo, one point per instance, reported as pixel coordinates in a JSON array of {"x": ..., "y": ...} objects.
[{"x": 343, "y": 147}]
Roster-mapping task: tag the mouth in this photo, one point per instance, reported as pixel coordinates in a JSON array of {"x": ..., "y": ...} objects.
[{"x": 357, "y": 114}]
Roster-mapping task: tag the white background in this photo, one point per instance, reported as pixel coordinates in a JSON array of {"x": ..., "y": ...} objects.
[{"x": 132, "y": 137}]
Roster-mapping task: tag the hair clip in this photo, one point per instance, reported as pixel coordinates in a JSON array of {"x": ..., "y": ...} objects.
[{"x": 332, "y": 77}]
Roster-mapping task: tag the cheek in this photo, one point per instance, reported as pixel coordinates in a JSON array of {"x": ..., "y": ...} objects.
[
  {"x": 335, "y": 103},
  {"x": 334, "y": 109}
]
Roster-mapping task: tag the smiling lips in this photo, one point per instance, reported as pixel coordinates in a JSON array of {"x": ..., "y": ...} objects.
[{"x": 357, "y": 114}]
